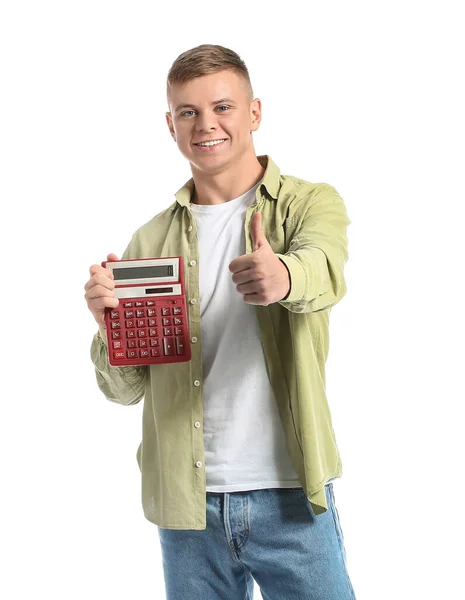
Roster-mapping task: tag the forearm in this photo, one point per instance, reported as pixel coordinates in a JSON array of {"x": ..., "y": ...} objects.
[
  {"x": 317, "y": 255},
  {"x": 313, "y": 285},
  {"x": 124, "y": 385}
]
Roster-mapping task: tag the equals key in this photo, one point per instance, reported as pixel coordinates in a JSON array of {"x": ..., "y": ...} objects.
[{"x": 180, "y": 345}]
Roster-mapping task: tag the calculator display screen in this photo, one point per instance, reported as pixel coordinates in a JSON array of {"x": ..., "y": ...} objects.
[
  {"x": 165, "y": 290},
  {"x": 143, "y": 272}
]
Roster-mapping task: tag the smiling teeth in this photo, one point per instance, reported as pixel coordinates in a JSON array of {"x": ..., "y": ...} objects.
[{"x": 210, "y": 143}]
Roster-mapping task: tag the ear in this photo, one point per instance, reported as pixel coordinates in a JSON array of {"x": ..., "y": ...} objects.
[
  {"x": 169, "y": 122},
  {"x": 255, "y": 114}
]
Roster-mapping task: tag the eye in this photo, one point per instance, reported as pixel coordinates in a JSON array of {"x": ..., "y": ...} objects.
[{"x": 185, "y": 113}]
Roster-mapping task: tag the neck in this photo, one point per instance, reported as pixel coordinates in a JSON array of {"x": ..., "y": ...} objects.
[{"x": 227, "y": 183}]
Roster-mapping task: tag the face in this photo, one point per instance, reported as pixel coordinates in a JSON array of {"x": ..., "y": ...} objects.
[{"x": 218, "y": 108}]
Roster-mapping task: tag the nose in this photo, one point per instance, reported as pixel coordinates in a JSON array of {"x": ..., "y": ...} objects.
[{"x": 205, "y": 122}]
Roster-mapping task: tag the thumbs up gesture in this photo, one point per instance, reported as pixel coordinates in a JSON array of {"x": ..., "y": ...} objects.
[{"x": 260, "y": 277}]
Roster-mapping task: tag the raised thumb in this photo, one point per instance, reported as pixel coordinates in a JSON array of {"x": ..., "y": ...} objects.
[{"x": 256, "y": 232}]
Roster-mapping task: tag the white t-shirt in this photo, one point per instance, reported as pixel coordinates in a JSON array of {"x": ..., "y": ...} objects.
[{"x": 245, "y": 445}]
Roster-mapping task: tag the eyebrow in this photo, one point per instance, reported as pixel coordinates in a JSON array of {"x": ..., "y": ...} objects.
[{"x": 213, "y": 103}]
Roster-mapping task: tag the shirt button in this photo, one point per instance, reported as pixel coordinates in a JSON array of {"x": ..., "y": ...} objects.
[
  {"x": 193, "y": 340},
  {"x": 196, "y": 383},
  {"x": 197, "y": 424},
  {"x": 193, "y": 263},
  {"x": 193, "y": 301},
  {"x": 198, "y": 463},
  {"x": 189, "y": 228}
]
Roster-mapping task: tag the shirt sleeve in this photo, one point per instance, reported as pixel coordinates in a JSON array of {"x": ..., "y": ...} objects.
[
  {"x": 123, "y": 385},
  {"x": 317, "y": 254}
]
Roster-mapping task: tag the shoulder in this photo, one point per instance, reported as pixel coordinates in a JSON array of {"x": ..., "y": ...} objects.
[
  {"x": 299, "y": 194},
  {"x": 155, "y": 228},
  {"x": 161, "y": 219}
]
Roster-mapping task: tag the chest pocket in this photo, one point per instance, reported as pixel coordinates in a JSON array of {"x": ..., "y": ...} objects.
[{"x": 281, "y": 237}]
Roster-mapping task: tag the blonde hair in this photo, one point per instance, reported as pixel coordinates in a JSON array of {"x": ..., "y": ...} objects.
[{"x": 204, "y": 60}]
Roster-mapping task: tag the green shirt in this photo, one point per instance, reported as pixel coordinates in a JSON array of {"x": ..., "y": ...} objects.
[{"x": 306, "y": 226}]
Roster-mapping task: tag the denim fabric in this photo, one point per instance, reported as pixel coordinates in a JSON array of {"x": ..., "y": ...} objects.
[{"x": 271, "y": 536}]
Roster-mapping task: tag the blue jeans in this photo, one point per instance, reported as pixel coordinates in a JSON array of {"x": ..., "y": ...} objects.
[{"x": 271, "y": 536}]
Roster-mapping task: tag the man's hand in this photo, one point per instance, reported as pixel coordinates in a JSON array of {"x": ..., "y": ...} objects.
[
  {"x": 260, "y": 277},
  {"x": 100, "y": 292}
]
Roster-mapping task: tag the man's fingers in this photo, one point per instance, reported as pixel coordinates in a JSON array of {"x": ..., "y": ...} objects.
[
  {"x": 107, "y": 301},
  {"x": 99, "y": 291},
  {"x": 243, "y": 276},
  {"x": 94, "y": 269},
  {"x": 241, "y": 263},
  {"x": 99, "y": 303},
  {"x": 100, "y": 278}
]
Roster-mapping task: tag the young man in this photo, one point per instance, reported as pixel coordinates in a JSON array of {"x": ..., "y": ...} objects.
[{"x": 238, "y": 453}]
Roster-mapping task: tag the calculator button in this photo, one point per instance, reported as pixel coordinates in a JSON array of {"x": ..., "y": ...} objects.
[
  {"x": 115, "y": 325},
  {"x": 143, "y": 353},
  {"x": 154, "y": 342},
  {"x": 150, "y": 303},
  {"x": 114, "y": 314},
  {"x": 142, "y": 332},
  {"x": 153, "y": 332},
  {"x": 152, "y": 322},
  {"x": 127, "y": 305},
  {"x": 116, "y": 335},
  {"x": 166, "y": 321},
  {"x": 141, "y": 323},
  {"x": 142, "y": 343},
  {"x": 139, "y": 303},
  {"x": 155, "y": 351},
  {"x": 131, "y": 343},
  {"x": 167, "y": 331},
  {"x": 178, "y": 330},
  {"x": 151, "y": 312},
  {"x": 168, "y": 345},
  {"x": 118, "y": 355},
  {"x": 180, "y": 345},
  {"x": 129, "y": 314},
  {"x": 166, "y": 311},
  {"x": 131, "y": 354},
  {"x": 177, "y": 310},
  {"x": 140, "y": 313},
  {"x": 118, "y": 344},
  {"x": 177, "y": 321},
  {"x": 130, "y": 324},
  {"x": 130, "y": 333}
]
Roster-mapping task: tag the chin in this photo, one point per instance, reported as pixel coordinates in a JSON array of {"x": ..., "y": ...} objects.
[{"x": 210, "y": 164}]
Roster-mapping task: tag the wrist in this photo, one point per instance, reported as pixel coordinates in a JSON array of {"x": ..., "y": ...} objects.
[{"x": 103, "y": 332}]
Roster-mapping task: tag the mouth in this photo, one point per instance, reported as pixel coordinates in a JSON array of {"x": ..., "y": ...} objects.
[{"x": 211, "y": 147}]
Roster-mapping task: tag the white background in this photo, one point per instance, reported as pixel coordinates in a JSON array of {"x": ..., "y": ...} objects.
[{"x": 366, "y": 96}]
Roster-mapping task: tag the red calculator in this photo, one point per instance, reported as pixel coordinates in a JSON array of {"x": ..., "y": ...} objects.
[{"x": 150, "y": 324}]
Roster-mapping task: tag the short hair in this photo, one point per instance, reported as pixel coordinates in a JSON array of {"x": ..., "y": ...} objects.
[{"x": 204, "y": 60}]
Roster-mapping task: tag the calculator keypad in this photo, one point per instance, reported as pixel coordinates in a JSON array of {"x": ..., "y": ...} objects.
[{"x": 144, "y": 329}]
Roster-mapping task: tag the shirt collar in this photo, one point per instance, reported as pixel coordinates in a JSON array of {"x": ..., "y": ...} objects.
[{"x": 270, "y": 182}]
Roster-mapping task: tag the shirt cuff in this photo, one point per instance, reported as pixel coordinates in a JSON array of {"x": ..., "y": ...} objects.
[
  {"x": 297, "y": 278},
  {"x": 102, "y": 336}
]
